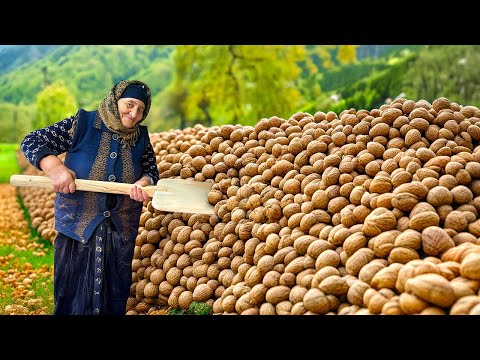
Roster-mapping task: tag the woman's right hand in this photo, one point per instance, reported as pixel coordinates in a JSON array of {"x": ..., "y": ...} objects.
[{"x": 63, "y": 179}]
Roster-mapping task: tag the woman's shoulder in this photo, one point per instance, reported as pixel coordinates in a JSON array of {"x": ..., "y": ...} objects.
[
  {"x": 82, "y": 111},
  {"x": 88, "y": 115},
  {"x": 143, "y": 129}
]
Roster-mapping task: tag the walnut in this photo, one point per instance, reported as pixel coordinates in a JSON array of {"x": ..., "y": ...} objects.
[
  {"x": 379, "y": 220},
  {"x": 356, "y": 291},
  {"x": 386, "y": 277},
  {"x": 462, "y": 194},
  {"x": 423, "y": 220},
  {"x": 435, "y": 241},
  {"x": 470, "y": 266},
  {"x": 414, "y": 187},
  {"x": 383, "y": 243},
  {"x": 402, "y": 255},
  {"x": 334, "y": 285},
  {"x": 411, "y": 304},
  {"x": 421, "y": 207},
  {"x": 381, "y": 185},
  {"x": 439, "y": 195},
  {"x": 456, "y": 221},
  {"x": 432, "y": 288},
  {"x": 464, "y": 305},
  {"x": 404, "y": 201},
  {"x": 358, "y": 260},
  {"x": 441, "y": 103}
]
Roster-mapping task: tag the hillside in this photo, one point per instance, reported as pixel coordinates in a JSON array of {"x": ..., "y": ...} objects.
[
  {"x": 381, "y": 72},
  {"x": 88, "y": 70},
  {"x": 85, "y": 70},
  {"x": 376, "y": 51},
  {"x": 12, "y": 57}
]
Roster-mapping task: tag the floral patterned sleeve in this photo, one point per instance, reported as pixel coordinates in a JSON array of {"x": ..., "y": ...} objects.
[
  {"x": 149, "y": 163},
  {"x": 51, "y": 140}
]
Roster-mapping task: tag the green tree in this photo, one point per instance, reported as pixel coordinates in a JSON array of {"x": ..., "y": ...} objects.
[
  {"x": 347, "y": 54},
  {"x": 25, "y": 118},
  {"x": 15, "y": 121},
  {"x": 373, "y": 88},
  {"x": 7, "y": 123},
  {"x": 445, "y": 70},
  {"x": 54, "y": 103},
  {"x": 233, "y": 83},
  {"x": 320, "y": 62},
  {"x": 169, "y": 113}
]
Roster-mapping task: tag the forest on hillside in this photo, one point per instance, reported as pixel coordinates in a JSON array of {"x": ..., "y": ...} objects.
[{"x": 220, "y": 84}]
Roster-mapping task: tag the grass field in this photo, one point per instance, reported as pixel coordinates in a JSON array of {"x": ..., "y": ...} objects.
[
  {"x": 26, "y": 261},
  {"x": 20, "y": 264},
  {"x": 8, "y": 162}
]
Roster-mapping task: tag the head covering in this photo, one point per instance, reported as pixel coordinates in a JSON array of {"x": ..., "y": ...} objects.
[
  {"x": 108, "y": 109},
  {"x": 135, "y": 91}
]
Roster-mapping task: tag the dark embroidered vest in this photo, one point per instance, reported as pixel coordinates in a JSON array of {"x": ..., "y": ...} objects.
[{"x": 97, "y": 154}]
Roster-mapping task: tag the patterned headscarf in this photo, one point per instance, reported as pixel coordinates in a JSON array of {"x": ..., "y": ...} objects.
[{"x": 109, "y": 112}]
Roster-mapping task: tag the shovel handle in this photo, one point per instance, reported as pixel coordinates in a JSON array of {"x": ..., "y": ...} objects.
[{"x": 81, "y": 184}]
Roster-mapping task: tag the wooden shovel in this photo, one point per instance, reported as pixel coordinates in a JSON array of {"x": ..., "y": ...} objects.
[{"x": 175, "y": 195}]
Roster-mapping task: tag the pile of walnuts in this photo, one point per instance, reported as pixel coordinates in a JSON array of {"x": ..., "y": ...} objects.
[{"x": 367, "y": 212}]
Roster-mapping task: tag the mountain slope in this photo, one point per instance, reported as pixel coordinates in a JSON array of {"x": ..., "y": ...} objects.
[
  {"x": 12, "y": 57},
  {"x": 88, "y": 71}
]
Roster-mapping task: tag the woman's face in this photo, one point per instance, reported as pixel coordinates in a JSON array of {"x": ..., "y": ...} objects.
[{"x": 130, "y": 111}]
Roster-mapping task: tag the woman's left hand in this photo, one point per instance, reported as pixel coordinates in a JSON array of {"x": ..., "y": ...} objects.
[{"x": 137, "y": 193}]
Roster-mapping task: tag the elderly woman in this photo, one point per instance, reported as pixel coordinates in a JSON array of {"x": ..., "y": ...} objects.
[{"x": 96, "y": 231}]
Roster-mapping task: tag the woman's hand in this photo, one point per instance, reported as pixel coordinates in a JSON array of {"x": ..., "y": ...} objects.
[
  {"x": 63, "y": 179},
  {"x": 138, "y": 194}
]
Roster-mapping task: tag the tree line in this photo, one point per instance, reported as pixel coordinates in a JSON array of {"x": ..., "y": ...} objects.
[
  {"x": 209, "y": 84},
  {"x": 219, "y": 84}
]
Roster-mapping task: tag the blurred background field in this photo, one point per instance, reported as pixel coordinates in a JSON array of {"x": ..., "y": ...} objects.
[{"x": 8, "y": 161}]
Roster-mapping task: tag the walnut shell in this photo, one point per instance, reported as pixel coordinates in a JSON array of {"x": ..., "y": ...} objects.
[
  {"x": 404, "y": 201},
  {"x": 423, "y": 220},
  {"x": 316, "y": 301},
  {"x": 358, "y": 260},
  {"x": 439, "y": 195},
  {"x": 367, "y": 273},
  {"x": 457, "y": 253},
  {"x": 277, "y": 294},
  {"x": 327, "y": 258},
  {"x": 386, "y": 277},
  {"x": 470, "y": 266},
  {"x": 379, "y": 220},
  {"x": 432, "y": 288},
  {"x": 383, "y": 243},
  {"x": 402, "y": 255},
  {"x": 411, "y": 304},
  {"x": 334, "y": 285},
  {"x": 414, "y": 187},
  {"x": 322, "y": 274},
  {"x": 456, "y": 220},
  {"x": 435, "y": 241},
  {"x": 356, "y": 291},
  {"x": 464, "y": 305}
]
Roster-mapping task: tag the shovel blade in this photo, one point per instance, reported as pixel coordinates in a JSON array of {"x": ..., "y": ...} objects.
[{"x": 179, "y": 195}]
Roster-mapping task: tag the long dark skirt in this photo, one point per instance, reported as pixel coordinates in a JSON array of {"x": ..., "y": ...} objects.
[{"x": 95, "y": 277}]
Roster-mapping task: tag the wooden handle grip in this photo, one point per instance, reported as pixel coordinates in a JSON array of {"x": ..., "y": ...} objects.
[{"x": 84, "y": 185}]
